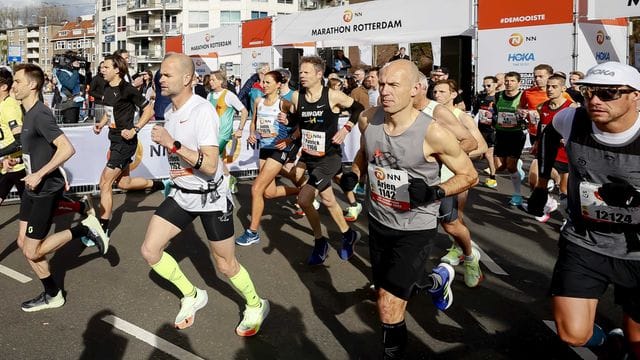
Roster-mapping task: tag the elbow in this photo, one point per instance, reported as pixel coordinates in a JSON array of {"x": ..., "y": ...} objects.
[
  {"x": 469, "y": 145},
  {"x": 473, "y": 179}
]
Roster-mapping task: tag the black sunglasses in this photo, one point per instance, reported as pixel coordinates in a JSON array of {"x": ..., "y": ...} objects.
[{"x": 604, "y": 93}]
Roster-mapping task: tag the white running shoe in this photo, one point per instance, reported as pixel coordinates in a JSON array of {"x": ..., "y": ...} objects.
[{"x": 188, "y": 307}]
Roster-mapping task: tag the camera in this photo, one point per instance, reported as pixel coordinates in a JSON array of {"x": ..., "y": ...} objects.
[{"x": 64, "y": 61}]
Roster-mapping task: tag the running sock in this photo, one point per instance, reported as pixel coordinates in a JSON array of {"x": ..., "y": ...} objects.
[
  {"x": 394, "y": 340},
  {"x": 354, "y": 204},
  {"x": 492, "y": 177},
  {"x": 598, "y": 337},
  {"x": 79, "y": 231},
  {"x": 242, "y": 282},
  {"x": 65, "y": 206},
  {"x": 50, "y": 286},
  {"x": 346, "y": 233},
  {"x": 515, "y": 179},
  {"x": 157, "y": 185},
  {"x": 104, "y": 223},
  {"x": 168, "y": 268}
]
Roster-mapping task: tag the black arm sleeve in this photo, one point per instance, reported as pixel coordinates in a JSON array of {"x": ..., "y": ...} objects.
[
  {"x": 355, "y": 109},
  {"x": 11, "y": 148},
  {"x": 549, "y": 145}
]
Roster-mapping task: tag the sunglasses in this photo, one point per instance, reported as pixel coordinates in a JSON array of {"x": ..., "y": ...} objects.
[{"x": 604, "y": 93}]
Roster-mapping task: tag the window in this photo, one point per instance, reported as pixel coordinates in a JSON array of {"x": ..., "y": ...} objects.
[
  {"x": 77, "y": 32},
  {"x": 258, "y": 14},
  {"x": 122, "y": 23},
  {"x": 285, "y": 1},
  {"x": 122, "y": 44},
  {"x": 63, "y": 33},
  {"x": 59, "y": 45},
  {"x": 106, "y": 48},
  {"x": 198, "y": 19},
  {"x": 229, "y": 17},
  {"x": 281, "y": 13},
  {"x": 106, "y": 5}
]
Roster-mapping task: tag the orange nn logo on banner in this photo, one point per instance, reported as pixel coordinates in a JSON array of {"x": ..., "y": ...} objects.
[
  {"x": 600, "y": 37},
  {"x": 347, "y": 16},
  {"x": 516, "y": 39}
]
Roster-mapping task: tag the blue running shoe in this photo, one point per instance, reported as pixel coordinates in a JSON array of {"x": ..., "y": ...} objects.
[
  {"x": 348, "y": 243},
  {"x": 320, "y": 252},
  {"x": 516, "y": 200},
  {"x": 168, "y": 185},
  {"x": 441, "y": 293},
  {"x": 248, "y": 238},
  {"x": 520, "y": 170},
  {"x": 359, "y": 190}
]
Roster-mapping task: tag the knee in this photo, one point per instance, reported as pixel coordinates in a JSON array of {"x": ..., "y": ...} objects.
[
  {"x": 123, "y": 184},
  {"x": 574, "y": 336},
  {"x": 149, "y": 255},
  {"x": 269, "y": 194},
  {"x": 229, "y": 267},
  {"x": 305, "y": 198},
  {"x": 31, "y": 254},
  {"x": 328, "y": 201}
]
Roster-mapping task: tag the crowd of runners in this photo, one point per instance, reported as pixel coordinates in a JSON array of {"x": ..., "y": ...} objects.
[{"x": 415, "y": 164}]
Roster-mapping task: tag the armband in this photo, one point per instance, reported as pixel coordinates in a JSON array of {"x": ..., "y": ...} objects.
[
  {"x": 198, "y": 164},
  {"x": 348, "y": 126}
]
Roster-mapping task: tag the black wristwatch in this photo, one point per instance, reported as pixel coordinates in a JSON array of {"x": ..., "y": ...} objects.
[
  {"x": 136, "y": 129},
  {"x": 440, "y": 193},
  {"x": 176, "y": 146}
]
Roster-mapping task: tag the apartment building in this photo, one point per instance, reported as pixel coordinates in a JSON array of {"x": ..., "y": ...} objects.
[
  {"x": 78, "y": 36},
  {"x": 32, "y": 43},
  {"x": 141, "y": 26}
]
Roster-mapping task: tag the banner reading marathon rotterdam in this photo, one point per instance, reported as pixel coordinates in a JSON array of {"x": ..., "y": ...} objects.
[
  {"x": 605, "y": 9},
  {"x": 374, "y": 22},
  {"x": 223, "y": 41}
]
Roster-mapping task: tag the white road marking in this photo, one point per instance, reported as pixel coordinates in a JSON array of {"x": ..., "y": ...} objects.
[
  {"x": 489, "y": 263},
  {"x": 150, "y": 338},
  {"x": 583, "y": 352},
  {"x": 14, "y": 274}
]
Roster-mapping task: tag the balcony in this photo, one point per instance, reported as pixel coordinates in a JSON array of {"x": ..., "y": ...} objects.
[
  {"x": 153, "y": 5},
  {"x": 149, "y": 30},
  {"x": 33, "y": 44},
  {"x": 148, "y": 56},
  {"x": 33, "y": 56},
  {"x": 33, "y": 34}
]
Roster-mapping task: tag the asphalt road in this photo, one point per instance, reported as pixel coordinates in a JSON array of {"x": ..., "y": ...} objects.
[{"x": 117, "y": 308}]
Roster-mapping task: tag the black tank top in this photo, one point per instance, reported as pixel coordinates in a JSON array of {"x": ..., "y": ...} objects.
[{"x": 318, "y": 123}]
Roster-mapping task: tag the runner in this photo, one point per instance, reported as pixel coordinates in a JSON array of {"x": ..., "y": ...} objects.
[
  {"x": 275, "y": 145},
  {"x": 483, "y": 108},
  {"x": 121, "y": 100},
  {"x": 599, "y": 245},
  {"x": 200, "y": 190},
  {"x": 226, "y": 104},
  {"x": 318, "y": 109},
  {"x": 404, "y": 192},
  {"x": 44, "y": 149}
]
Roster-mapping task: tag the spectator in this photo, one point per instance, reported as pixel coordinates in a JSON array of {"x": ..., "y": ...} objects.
[
  {"x": 400, "y": 55},
  {"x": 162, "y": 102},
  {"x": 252, "y": 89},
  {"x": 341, "y": 64}
]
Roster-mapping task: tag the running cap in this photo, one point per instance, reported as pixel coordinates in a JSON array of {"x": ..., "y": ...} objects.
[{"x": 612, "y": 73}]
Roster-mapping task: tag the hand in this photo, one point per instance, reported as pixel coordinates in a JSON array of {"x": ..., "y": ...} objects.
[
  {"x": 282, "y": 144},
  {"x": 619, "y": 193},
  {"x": 97, "y": 128},
  {"x": 537, "y": 201},
  {"x": 283, "y": 119},
  {"x": 348, "y": 181},
  {"x": 32, "y": 181},
  {"x": 420, "y": 193},
  {"x": 237, "y": 134},
  {"x": 252, "y": 139},
  {"x": 534, "y": 149},
  {"x": 128, "y": 134},
  {"x": 161, "y": 136},
  {"x": 339, "y": 137}
]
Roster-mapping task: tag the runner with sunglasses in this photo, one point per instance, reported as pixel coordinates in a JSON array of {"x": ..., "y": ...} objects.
[{"x": 599, "y": 244}]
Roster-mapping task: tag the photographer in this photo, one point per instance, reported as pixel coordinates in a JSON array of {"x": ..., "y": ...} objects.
[{"x": 65, "y": 69}]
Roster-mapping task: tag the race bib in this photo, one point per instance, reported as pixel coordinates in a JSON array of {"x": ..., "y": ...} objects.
[
  {"x": 485, "y": 117},
  {"x": 267, "y": 127},
  {"x": 534, "y": 117},
  {"x": 389, "y": 187},
  {"x": 26, "y": 160},
  {"x": 313, "y": 142},
  {"x": 111, "y": 121},
  {"x": 507, "y": 120},
  {"x": 175, "y": 167},
  {"x": 595, "y": 209}
]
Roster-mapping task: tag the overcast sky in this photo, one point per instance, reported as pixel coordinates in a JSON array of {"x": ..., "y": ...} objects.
[{"x": 74, "y": 7}]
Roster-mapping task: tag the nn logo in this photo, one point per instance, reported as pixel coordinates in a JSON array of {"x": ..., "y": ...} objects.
[
  {"x": 519, "y": 57},
  {"x": 517, "y": 39},
  {"x": 601, "y": 36},
  {"x": 348, "y": 15}
]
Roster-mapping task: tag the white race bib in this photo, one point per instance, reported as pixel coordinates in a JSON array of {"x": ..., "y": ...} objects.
[
  {"x": 267, "y": 127},
  {"x": 507, "y": 120},
  {"x": 389, "y": 187},
  {"x": 313, "y": 142},
  {"x": 485, "y": 117},
  {"x": 111, "y": 121},
  {"x": 595, "y": 209},
  {"x": 175, "y": 167},
  {"x": 26, "y": 160},
  {"x": 534, "y": 117}
]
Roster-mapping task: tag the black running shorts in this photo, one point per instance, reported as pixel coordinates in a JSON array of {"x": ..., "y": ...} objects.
[
  {"x": 561, "y": 167},
  {"x": 277, "y": 155},
  {"x": 322, "y": 170},
  {"x": 448, "y": 211},
  {"x": 582, "y": 273},
  {"x": 9, "y": 180},
  {"x": 121, "y": 152},
  {"x": 399, "y": 258},
  {"x": 217, "y": 225},
  {"x": 37, "y": 212},
  {"x": 489, "y": 136},
  {"x": 509, "y": 143}
]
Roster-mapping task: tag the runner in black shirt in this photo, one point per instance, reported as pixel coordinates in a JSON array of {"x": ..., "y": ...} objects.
[
  {"x": 45, "y": 148},
  {"x": 120, "y": 102}
]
